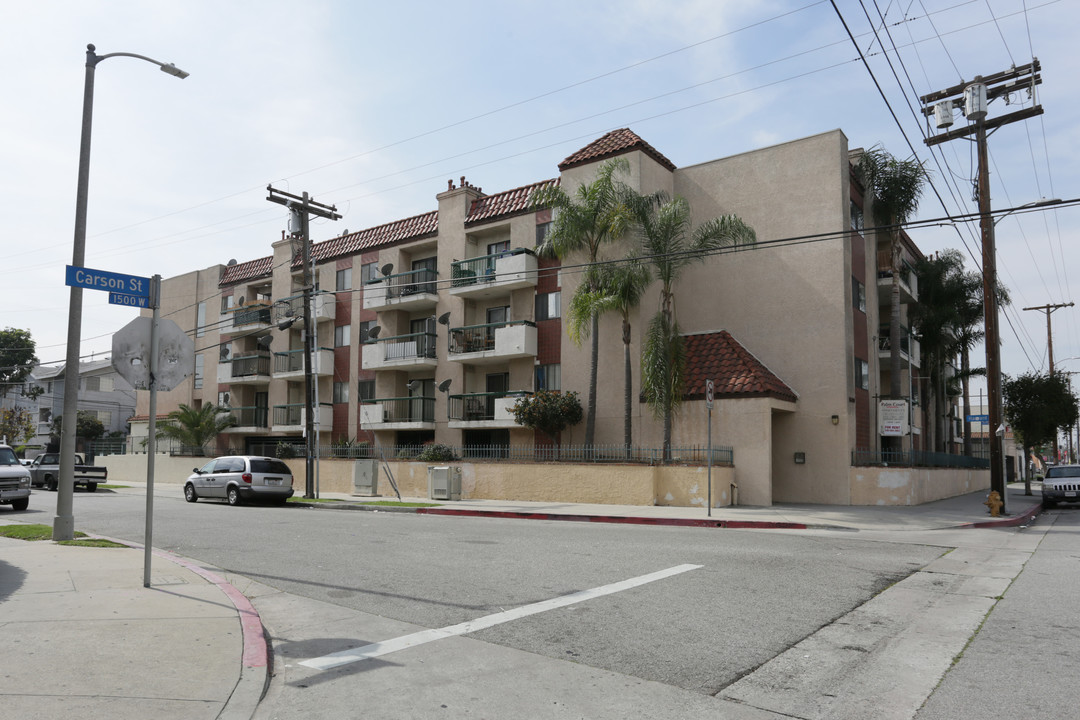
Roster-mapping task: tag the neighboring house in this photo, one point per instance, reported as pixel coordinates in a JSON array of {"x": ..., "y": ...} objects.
[{"x": 790, "y": 332}]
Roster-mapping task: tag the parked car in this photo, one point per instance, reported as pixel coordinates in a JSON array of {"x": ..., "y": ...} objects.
[
  {"x": 45, "y": 470},
  {"x": 1061, "y": 484},
  {"x": 238, "y": 478},
  {"x": 14, "y": 480}
]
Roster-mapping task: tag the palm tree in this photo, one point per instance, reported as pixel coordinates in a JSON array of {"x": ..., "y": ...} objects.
[
  {"x": 596, "y": 214},
  {"x": 895, "y": 187},
  {"x": 195, "y": 427},
  {"x": 670, "y": 245},
  {"x": 619, "y": 289}
]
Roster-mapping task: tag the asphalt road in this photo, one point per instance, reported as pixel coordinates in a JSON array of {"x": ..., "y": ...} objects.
[{"x": 754, "y": 595}]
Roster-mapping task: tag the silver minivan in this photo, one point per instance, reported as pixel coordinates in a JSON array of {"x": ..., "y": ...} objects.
[{"x": 239, "y": 478}]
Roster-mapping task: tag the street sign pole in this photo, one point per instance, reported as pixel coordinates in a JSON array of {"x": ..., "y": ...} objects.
[
  {"x": 708, "y": 430},
  {"x": 151, "y": 441}
]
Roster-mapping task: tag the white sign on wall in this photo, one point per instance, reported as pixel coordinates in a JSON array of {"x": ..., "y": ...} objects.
[{"x": 892, "y": 418}]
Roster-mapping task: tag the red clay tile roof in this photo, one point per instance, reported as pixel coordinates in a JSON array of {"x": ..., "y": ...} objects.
[
  {"x": 735, "y": 372},
  {"x": 246, "y": 271},
  {"x": 407, "y": 229},
  {"x": 505, "y": 204},
  {"x": 616, "y": 142}
]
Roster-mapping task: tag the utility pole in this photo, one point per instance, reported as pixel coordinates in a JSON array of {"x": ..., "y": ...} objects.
[
  {"x": 973, "y": 99},
  {"x": 301, "y": 207},
  {"x": 1049, "y": 332}
]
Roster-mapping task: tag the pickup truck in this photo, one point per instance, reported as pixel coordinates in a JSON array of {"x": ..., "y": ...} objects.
[
  {"x": 14, "y": 480},
  {"x": 45, "y": 470}
]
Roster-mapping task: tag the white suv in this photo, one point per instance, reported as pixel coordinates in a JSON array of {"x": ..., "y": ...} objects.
[
  {"x": 14, "y": 480},
  {"x": 237, "y": 478},
  {"x": 1061, "y": 484}
]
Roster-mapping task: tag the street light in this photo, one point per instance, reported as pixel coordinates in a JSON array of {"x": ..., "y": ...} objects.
[
  {"x": 64, "y": 523},
  {"x": 1027, "y": 206}
]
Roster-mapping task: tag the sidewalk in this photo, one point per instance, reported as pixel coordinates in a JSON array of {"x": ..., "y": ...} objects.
[{"x": 84, "y": 637}]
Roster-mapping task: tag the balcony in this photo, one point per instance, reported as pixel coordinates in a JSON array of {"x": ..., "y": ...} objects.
[
  {"x": 323, "y": 307},
  {"x": 493, "y": 275},
  {"x": 909, "y": 346},
  {"x": 291, "y": 418},
  {"x": 249, "y": 419},
  {"x": 413, "y": 350},
  {"x": 493, "y": 343},
  {"x": 245, "y": 369},
  {"x": 413, "y": 290},
  {"x": 289, "y": 365},
  {"x": 255, "y": 316},
  {"x": 484, "y": 410},
  {"x": 909, "y": 283},
  {"x": 408, "y": 413}
]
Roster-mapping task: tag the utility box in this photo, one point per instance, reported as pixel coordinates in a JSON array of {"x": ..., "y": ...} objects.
[
  {"x": 443, "y": 482},
  {"x": 365, "y": 477}
]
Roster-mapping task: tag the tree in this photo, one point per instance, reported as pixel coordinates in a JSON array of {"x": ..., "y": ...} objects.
[
  {"x": 619, "y": 289},
  {"x": 582, "y": 224},
  {"x": 17, "y": 425},
  {"x": 1036, "y": 406},
  {"x": 17, "y": 359},
  {"x": 87, "y": 426},
  {"x": 550, "y": 412},
  {"x": 895, "y": 187},
  {"x": 193, "y": 428},
  {"x": 670, "y": 245}
]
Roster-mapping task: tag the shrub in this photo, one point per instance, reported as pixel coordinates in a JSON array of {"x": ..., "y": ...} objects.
[
  {"x": 285, "y": 451},
  {"x": 436, "y": 452}
]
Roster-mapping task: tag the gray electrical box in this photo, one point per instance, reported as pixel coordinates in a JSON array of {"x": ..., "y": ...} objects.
[
  {"x": 365, "y": 477},
  {"x": 444, "y": 483}
]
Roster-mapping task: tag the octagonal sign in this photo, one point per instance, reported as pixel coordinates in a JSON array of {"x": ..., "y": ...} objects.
[{"x": 131, "y": 354}]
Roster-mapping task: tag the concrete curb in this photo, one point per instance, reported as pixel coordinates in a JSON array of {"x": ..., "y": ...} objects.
[{"x": 1024, "y": 518}]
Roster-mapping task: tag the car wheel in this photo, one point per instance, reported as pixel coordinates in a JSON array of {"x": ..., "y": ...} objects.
[
  {"x": 50, "y": 484},
  {"x": 189, "y": 493},
  {"x": 91, "y": 487},
  {"x": 20, "y": 504},
  {"x": 233, "y": 495}
]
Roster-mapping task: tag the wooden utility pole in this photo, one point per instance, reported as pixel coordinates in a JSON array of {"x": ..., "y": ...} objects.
[
  {"x": 1049, "y": 332},
  {"x": 973, "y": 98},
  {"x": 303, "y": 206}
]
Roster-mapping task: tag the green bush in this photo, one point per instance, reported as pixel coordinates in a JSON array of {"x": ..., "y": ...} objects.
[
  {"x": 285, "y": 451},
  {"x": 436, "y": 452}
]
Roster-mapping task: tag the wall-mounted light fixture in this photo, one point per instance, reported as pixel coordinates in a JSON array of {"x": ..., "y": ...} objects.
[
  {"x": 835, "y": 419},
  {"x": 800, "y": 458}
]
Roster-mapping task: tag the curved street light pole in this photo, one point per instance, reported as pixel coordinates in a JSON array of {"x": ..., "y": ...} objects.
[{"x": 64, "y": 523}]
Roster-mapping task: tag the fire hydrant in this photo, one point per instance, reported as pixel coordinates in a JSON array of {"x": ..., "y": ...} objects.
[{"x": 993, "y": 501}]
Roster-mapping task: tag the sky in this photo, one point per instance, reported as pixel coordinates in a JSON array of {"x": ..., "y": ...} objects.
[{"x": 373, "y": 106}]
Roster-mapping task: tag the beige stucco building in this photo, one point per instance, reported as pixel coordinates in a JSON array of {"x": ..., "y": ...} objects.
[{"x": 468, "y": 319}]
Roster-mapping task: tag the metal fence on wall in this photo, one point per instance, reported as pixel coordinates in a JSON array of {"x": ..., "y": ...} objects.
[{"x": 917, "y": 458}]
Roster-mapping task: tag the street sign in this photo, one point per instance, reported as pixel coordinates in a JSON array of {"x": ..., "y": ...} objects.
[
  {"x": 131, "y": 354},
  {"x": 139, "y": 301},
  {"x": 892, "y": 418},
  {"x": 978, "y": 418},
  {"x": 708, "y": 394},
  {"x": 108, "y": 281}
]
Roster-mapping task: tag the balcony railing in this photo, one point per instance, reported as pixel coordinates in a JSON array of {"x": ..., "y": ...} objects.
[
  {"x": 292, "y": 361},
  {"x": 479, "y": 269},
  {"x": 292, "y": 414},
  {"x": 250, "y": 365},
  {"x": 251, "y": 315},
  {"x": 413, "y": 345},
  {"x": 323, "y": 307},
  {"x": 885, "y": 344},
  {"x": 478, "y": 338},
  {"x": 408, "y": 283},
  {"x": 473, "y": 407},
  {"x": 405, "y": 409},
  {"x": 253, "y": 416}
]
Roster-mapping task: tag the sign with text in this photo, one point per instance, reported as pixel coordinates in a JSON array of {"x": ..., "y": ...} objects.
[
  {"x": 108, "y": 281},
  {"x": 892, "y": 418},
  {"x": 138, "y": 301},
  {"x": 978, "y": 419}
]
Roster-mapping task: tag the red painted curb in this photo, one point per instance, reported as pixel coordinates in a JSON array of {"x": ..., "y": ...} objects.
[
  {"x": 673, "y": 522},
  {"x": 1023, "y": 519}
]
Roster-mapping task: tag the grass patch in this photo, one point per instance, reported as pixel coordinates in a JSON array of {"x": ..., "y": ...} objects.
[
  {"x": 302, "y": 499},
  {"x": 91, "y": 542},
  {"x": 31, "y": 532},
  {"x": 112, "y": 487},
  {"x": 395, "y": 503}
]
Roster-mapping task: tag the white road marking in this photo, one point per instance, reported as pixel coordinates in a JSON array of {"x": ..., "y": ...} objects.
[{"x": 344, "y": 657}]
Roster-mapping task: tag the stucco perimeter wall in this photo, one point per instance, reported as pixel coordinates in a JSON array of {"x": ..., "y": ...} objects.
[
  {"x": 554, "y": 482},
  {"x": 913, "y": 486},
  {"x": 167, "y": 469}
]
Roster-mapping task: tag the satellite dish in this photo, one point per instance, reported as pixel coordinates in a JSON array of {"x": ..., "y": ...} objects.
[
  {"x": 412, "y": 384},
  {"x": 225, "y": 399},
  {"x": 445, "y": 385},
  {"x": 387, "y": 269},
  {"x": 224, "y": 352},
  {"x": 444, "y": 319},
  {"x": 286, "y": 324},
  {"x": 232, "y": 261},
  {"x": 240, "y": 301},
  {"x": 264, "y": 342},
  {"x": 374, "y": 332}
]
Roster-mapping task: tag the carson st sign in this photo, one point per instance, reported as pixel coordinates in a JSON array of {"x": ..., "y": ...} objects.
[{"x": 113, "y": 282}]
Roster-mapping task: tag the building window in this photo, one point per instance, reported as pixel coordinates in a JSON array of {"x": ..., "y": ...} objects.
[
  {"x": 365, "y": 330},
  {"x": 858, "y": 295},
  {"x": 200, "y": 322},
  {"x": 97, "y": 383},
  {"x": 549, "y": 306},
  {"x": 862, "y": 374},
  {"x": 856, "y": 217},
  {"x": 542, "y": 230},
  {"x": 341, "y": 392},
  {"x": 227, "y": 303},
  {"x": 369, "y": 273},
  {"x": 549, "y": 377},
  {"x": 342, "y": 335},
  {"x": 344, "y": 279},
  {"x": 497, "y": 248},
  {"x": 199, "y": 371},
  {"x": 223, "y": 399},
  {"x": 105, "y": 416},
  {"x": 365, "y": 390}
]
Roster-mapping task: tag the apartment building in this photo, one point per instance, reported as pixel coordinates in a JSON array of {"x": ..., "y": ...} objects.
[{"x": 429, "y": 328}]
